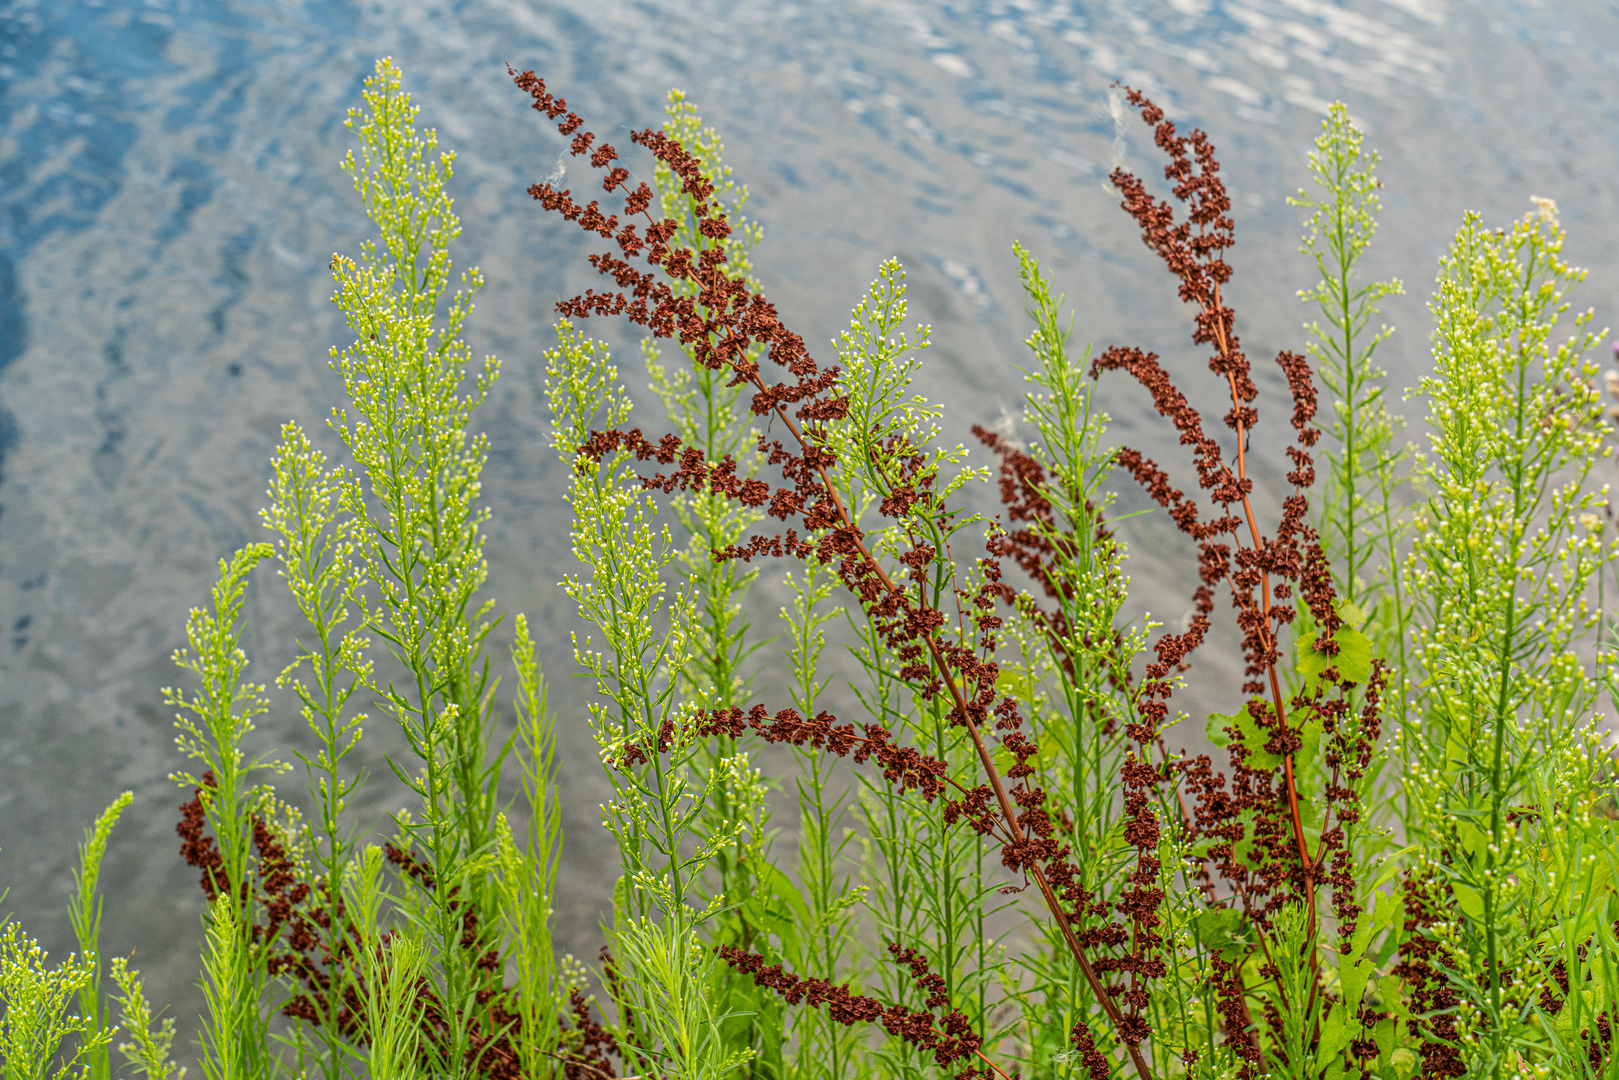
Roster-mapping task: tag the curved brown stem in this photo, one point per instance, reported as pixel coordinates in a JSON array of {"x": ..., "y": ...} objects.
[
  {"x": 1267, "y": 640},
  {"x": 1009, "y": 815}
]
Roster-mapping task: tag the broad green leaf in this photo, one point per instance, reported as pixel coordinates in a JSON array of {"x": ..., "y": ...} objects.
[
  {"x": 776, "y": 905},
  {"x": 1221, "y": 930},
  {"x": 1586, "y": 1009},
  {"x": 1354, "y": 659},
  {"x": 1389, "y": 988},
  {"x": 1391, "y": 866},
  {"x": 1384, "y": 1035},
  {"x": 1362, "y": 940},
  {"x": 1254, "y": 738},
  {"x": 1352, "y": 615},
  {"x": 1011, "y": 681},
  {"x": 1214, "y": 926},
  {"x": 1468, "y": 899},
  {"x": 1334, "y": 1033},
  {"x": 1474, "y": 839},
  {"x": 1215, "y": 728},
  {"x": 1352, "y": 983}
]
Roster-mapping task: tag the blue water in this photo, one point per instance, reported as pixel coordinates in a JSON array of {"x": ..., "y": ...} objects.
[{"x": 169, "y": 200}]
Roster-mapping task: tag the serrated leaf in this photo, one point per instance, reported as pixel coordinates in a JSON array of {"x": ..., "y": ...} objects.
[
  {"x": 1352, "y": 615},
  {"x": 1253, "y": 738},
  {"x": 1352, "y": 983},
  {"x": 1353, "y": 661},
  {"x": 1215, "y": 925},
  {"x": 1215, "y": 727},
  {"x": 1221, "y": 930}
]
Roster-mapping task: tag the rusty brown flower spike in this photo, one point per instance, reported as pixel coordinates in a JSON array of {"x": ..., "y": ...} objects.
[
  {"x": 722, "y": 322},
  {"x": 948, "y": 1039},
  {"x": 1184, "y": 895},
  {"x": 1261, "y": 572},
  {"x": 293, "y": 911}
]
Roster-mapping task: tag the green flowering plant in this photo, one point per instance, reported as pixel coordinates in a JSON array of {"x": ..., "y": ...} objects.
[
  {"x": 990, "y": 861},
  {"x": 1226, "y": 961},
  {"x": 36, "y": 1021}
]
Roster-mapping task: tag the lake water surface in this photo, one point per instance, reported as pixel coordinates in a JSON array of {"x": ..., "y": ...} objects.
[{"x": 170, "y": 199}]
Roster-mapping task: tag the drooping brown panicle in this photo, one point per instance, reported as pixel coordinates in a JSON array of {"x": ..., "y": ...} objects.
[
  {"x": 1261, "y": 575},
  {"x": 948, "y": 1039},
  {"x": 725, "y": 322},
  {"x": 296, "y": 932}
]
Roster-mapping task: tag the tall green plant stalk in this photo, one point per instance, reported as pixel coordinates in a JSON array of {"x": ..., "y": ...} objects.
[
  {"x": 315, "y": 547},
  {"x": 1362, "y": 519},
  {"x": 213, "y": 725},
  {"x": 417, "y": 534},
  {"x": 648, "y": 745},
  {"x": 214, "y": 722},
  {"x": 1075, "y": 648},
  {"x": 394, "y": 1007},
  {"x": 684, "y": 1037},
  {"x": 928, "y": 886},
  {"x": 1575, "y": 951},
  {"x": 1505, "y": 549},
  {"x": 234, "y": 1043},
  {"x": 1360, "y": 524},
  {"x": 702, "y": 406},
  {"x": 84, "y": 911},
  {"x": 528, "y": 874},
  {"x": 35, "y": 1020},
  {"x": 827, "y": 896}
]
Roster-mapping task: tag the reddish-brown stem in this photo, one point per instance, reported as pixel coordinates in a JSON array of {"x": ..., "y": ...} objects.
[
  {"x": 1267, "y": 640},
  {"x": 998, "y": 1070},
  {"x": 1008, "y": 814},
  {"x": 1053, "y": 904}
]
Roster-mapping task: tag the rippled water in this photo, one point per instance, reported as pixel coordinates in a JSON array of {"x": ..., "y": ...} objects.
[{"x": 171, "y": 199}]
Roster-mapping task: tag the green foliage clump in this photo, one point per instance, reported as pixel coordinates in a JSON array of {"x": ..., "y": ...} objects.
[
  {"x": 988, "y": 861},
  {"x": 148, "y": 1053},
  {"x": 1278, "y": 928},
  {"x": 36, "y": 1021}
]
